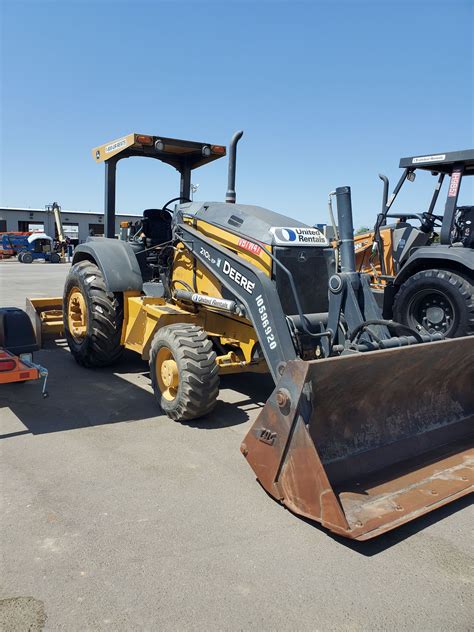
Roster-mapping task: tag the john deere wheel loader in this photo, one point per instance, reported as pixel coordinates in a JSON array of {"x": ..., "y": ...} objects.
[
  {"x": 370, "y": 423},
  {"x": 425, "y": 270}
]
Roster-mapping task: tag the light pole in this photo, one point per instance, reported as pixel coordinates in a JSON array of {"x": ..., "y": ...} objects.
[{"x": 194, "y": 188}]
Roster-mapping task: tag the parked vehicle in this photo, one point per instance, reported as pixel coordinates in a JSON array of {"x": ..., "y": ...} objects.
[
  {"x": 37, "y": 246},
  {"x": 425, "y": 270}
]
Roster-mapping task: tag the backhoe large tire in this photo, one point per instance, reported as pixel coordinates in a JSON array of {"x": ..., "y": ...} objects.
[
  {"x": 184, "y": 373},
  {"x": 93, "y": 317},
  {"x": 440, "y": 301}
]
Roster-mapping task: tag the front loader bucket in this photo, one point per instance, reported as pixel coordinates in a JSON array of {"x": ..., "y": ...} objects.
[
  {"x": 365, "y": 442},
  {"x": 46, "y": 315}
]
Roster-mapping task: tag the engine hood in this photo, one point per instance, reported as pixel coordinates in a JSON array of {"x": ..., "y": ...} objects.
[{"x": 256, "y": 222}]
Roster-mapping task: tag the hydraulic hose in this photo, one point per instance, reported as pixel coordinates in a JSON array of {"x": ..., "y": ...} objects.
[{"x": 397, "y": 327}]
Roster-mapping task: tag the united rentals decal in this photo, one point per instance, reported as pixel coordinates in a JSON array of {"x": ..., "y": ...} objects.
[
  {"x": 298, "y": 236},
  {"x": 212, "y": 301}
]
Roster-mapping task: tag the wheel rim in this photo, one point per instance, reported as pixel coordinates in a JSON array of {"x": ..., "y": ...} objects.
[
  {"x": 77, "y": 314},
  {"x": 431, "y": 310},
  {"x": 167, "y": 375}
]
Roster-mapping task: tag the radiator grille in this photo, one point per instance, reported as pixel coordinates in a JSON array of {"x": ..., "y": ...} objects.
[{"x": 311, "y": 268}]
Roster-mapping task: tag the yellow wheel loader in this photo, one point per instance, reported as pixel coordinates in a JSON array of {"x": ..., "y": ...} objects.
[{"x": 370, "y": 422}]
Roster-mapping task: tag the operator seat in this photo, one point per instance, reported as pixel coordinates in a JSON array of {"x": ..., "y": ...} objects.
[{"x": 156, "y": 226}]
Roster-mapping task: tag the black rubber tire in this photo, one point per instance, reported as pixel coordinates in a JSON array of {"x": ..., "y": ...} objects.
[
  {"x": 55, "y": 258},
  {"x": 101, "y": 344},
  {"x": 457, "y": 290},
  {"x": 27, "y": 257},
  {"x": 19, "y": 256},
  {"x": 197, "y": 369}
]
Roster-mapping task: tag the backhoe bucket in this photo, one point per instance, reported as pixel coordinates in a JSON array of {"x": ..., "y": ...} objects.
[
  {"x": 365, "y": 442},
  {"x": 46, "y": 315}
]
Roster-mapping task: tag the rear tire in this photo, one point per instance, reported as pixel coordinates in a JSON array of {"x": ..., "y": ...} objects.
[
  {"x": 93, "y": 317},
  {"x": 440, "y": 301},
  {"x": 184, "y": 372},
  {"x": 55, "y": 258},
  {"x": 27, "y": 257},
  {"x": 20, "y": 256}
]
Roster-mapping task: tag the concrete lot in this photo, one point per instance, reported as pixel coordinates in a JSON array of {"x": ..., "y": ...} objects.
[{"x": 114, "y": 517}]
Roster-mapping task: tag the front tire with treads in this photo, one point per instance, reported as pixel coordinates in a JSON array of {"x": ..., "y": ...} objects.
[
  {"x": 184, "y": 372},
  {"x": 93, "y": 317},
  {"x": 437, "y": 300}
]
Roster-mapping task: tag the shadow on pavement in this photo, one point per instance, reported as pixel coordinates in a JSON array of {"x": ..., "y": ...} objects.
[
  {"x": 82, "y": 397},
  {"x": 368, "y": 548},
  {"x": 391, "y": 538},
  {"x": 255, "y": 390}
]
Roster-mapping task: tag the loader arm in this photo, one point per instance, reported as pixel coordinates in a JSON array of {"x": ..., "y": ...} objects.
[{"x": 252, "y": 289}]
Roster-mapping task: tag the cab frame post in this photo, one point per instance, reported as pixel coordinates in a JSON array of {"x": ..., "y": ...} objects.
[
  {"x": 110, "y": 195},
  {"x": 185, "y": 181}
]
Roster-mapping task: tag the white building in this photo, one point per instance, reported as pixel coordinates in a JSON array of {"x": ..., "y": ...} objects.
[{"x": 78, "y": 225}]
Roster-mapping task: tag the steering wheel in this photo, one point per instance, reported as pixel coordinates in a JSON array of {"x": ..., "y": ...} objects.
[
  {"x": 175, "y": 199},
  {"x": 431, "y": 221}
]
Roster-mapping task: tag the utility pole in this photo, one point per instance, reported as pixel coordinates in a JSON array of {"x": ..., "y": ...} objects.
[{"x": 194, "y": 188}]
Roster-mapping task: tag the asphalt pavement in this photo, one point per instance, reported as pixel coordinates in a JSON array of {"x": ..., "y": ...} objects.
[{"x": 113, "y": 517}]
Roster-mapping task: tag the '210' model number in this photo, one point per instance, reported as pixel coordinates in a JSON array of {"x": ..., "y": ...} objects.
[{"x": 262, "y": 310}]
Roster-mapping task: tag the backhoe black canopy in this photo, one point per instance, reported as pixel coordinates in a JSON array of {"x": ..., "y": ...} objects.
[
  {"x": 441, "y": 162},
  {"x": 183, "y": 155}
]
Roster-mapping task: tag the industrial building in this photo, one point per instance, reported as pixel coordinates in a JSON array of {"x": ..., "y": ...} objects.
[{"x": 78, "y": 225}]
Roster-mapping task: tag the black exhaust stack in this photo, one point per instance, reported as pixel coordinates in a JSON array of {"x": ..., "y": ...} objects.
[
  {"x": 346, "y": 229},
  {"x": 230, "y": 195},
  {"x": 385, "y": 192}
]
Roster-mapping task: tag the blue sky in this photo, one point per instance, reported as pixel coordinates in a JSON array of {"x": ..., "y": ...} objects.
[{"x": 328, "y": 94}]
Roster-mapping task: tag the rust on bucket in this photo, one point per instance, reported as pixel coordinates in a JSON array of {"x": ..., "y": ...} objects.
[{"x": 366, "y": 442}]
